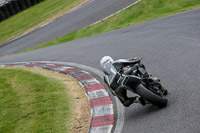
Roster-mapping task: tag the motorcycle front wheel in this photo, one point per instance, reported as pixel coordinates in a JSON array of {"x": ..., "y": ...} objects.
[{"x": 150, "y": 96}]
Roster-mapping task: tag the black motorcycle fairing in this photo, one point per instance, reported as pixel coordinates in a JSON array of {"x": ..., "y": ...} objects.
[
  {"x": 111, "y": 75},
  {"x": 119, "y": 64},
  {"x": 131, "y": 81}
]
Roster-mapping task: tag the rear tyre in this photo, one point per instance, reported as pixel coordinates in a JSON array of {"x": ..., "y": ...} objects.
[{"x": 150, "y": 96}]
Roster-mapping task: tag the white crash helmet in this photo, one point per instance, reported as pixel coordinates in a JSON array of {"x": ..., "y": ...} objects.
[{"x": 106, "y": 59}]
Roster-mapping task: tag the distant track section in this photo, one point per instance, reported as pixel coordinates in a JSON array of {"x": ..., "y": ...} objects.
[{"x": 77, "y": 19}]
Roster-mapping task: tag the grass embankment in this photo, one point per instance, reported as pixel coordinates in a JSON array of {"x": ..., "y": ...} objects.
[
  {"x": 34, "y": 17},
  {"x": 35, "y": 100},
  {"x": 142, "y": 11}
]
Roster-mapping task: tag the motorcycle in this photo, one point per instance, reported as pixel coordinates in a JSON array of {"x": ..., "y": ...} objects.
[{"x": 143, "y": 84}]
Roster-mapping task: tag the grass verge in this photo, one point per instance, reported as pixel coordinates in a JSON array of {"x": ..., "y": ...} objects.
[
  {"x": 37, "y": 100},
  {"x": 34, "y": 17},
  {"x": 143, "y": 11}
]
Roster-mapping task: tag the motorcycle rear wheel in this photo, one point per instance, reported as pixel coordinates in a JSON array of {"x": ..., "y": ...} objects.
[{"x": 150, "y": 96}]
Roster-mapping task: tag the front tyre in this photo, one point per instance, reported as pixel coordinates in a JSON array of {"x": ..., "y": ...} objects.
[{"x": 150, "y": 96}]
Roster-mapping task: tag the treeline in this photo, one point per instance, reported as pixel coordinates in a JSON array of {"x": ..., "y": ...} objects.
[{"x": 12, "y": 7}]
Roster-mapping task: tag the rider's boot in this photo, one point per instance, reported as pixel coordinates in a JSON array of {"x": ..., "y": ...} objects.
[
  {"x": 128, "y": 102},
  {"x": 121, "y": 93},
  {"x": 135, "y": 99},
  {"x": 125, "y": 100},
  {"x": 139, "y": 100}
]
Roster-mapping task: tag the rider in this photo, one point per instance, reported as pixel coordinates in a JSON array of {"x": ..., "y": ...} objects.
[{"x": 126, "y": 67}]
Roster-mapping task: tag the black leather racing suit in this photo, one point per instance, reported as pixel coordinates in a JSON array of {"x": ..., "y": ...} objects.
[{"x": 112, "y": 77}]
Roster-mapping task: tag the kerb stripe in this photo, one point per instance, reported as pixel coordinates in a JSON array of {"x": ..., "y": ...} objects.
[
  {"x": 84, "y": 77},
  {"x": 100, "y": 101},
  {"x": 102, "y": 120}
]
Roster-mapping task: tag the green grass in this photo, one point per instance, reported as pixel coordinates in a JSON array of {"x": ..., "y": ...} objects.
[
  {"x": 143, "y": 11},
  {"x": 31, "y": 103},
  {"x": 34, "y": 16}
]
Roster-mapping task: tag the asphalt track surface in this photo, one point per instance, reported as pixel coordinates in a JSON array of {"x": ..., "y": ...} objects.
[
  {"x": 170, "y": 47},
  {"x": 77, "y": 19}
]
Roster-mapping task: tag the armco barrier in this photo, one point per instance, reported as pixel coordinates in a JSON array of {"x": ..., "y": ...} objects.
[{"x": 11, "y": 7}]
